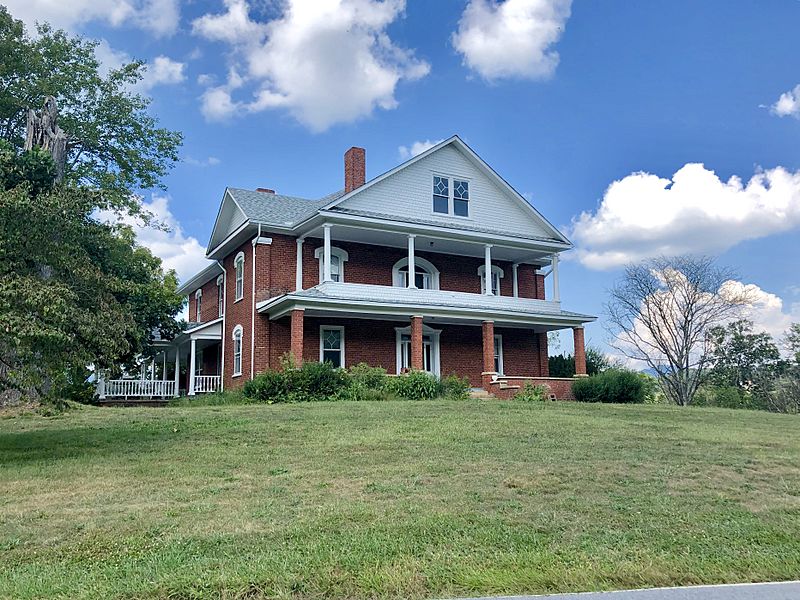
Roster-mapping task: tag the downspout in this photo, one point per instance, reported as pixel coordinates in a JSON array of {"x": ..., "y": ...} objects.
[
  {"x": 253, "y": 308},
  {"x": 224, "y": 319}
]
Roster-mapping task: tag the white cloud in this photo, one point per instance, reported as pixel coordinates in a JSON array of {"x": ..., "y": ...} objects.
[
  {"x": 326, "y": 62},
  {"x": 159, "y": 17},
  {"x": 643, "y": 215},
  {"x": 416, "y": 148},
  {"x": 766, "y": 310},
  {"x": 176, "y": 250},
  {"x": 162, "y": 70},
  {"x": 211, "y": 161},
  {"x": 788, "y": 105},
  {"x": 512, "y": 39}
]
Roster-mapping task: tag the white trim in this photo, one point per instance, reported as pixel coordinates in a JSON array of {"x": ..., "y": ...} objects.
[
  {"x": 451, "y": 199},
  {"x": 236, "y": 291},
  {"x": 340, "y": 329},
  {"x": 498, "y": 350},
  {"x": 556, "y": 289},
  {"x": 435, "y": 347},
  {"x": 495, "y": 271},
  {"x": 240, "y": 330},
  {"x": 343, "y": 257},
  {"x": 515, "y": 277},
  {"x": 221, "y": 296},
  {"x": 298, "y": 274},
  {"x": 198, "y": 301},
  {"x": 222, "y": 337},
  {"x": 421, "y": 264},
  {"x": 199, "y": 279}
]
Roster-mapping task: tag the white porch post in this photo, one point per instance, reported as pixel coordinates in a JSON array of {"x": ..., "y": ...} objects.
[
  {"x": 326, "y": 256},
  {"x": 298, "y": 280},
  {"x": 153, "y": 369},
  {"x": 412, "y": 271},
  {"x": 487, "y": 274},
  {"x": 101, "y": 385},
  {"x": 516, "y": 281},
  {"x": 556, "y": 291},
  {"x": 192, "y": 366},
  {"x": 164, "y": 366},
  {"x": 177, "y": 370}
]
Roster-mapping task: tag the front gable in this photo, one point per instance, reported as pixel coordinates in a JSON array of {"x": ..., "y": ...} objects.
[
  {"x": 229, "y": 218},
  {"x": 407, "y": 191}
]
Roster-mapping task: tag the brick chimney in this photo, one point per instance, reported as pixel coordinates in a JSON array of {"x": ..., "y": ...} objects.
[
  {"x": 355, "y": 168},
  {"x": 265, "y": 190}
]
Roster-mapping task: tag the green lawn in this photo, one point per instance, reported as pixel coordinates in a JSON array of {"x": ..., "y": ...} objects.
[{"x": 394, "y": 500}]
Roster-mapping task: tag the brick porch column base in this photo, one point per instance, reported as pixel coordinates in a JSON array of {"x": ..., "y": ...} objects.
[
  {"x": 416, "y": 343},
  {"x": 296, "y": 344},
  {"x": 544, "y": 361},
  {"x": 487, "y": 329},
  {"x": 580, "y": 352}
]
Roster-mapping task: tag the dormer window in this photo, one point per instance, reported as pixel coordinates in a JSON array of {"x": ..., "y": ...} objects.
[
  {"x": 198, "y": 298},
  {"x": 450, "y": 196}
]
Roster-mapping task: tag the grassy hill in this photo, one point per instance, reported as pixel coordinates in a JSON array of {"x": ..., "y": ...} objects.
[{"x": 395, "y": 500}]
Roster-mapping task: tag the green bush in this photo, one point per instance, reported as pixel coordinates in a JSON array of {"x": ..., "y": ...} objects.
[
  {"x": 271, "y": 386},
  {"x": 612, "y": 386},
  {"x": 416, "y": 385},
  {"x": 454, "y": 387},
  {"x": 313, "y": 382},
  {"x": 374, "y": 378},
  {"x": 532, "y": 393}
]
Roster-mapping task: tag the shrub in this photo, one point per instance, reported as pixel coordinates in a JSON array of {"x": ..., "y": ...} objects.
[
  {"x": 416, "y": 385},
  {"x": 612, "y": 386},
  {"x": 271, "y": 386},
  {"x": 313, "y": 382},
  {"x": 454, "y": 387},
  {"x": 374, "y": 378},
  {"x": 532, "y": 393}
]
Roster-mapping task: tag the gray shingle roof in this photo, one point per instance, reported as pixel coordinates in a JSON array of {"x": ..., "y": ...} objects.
[{"x": 277, "y": 209}]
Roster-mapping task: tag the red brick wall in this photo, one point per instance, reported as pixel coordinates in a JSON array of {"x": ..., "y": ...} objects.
[
  {"x": 561, "y": 388},
  {"x": 209, "y": 307},
  {"x": 238, "y": 313}
]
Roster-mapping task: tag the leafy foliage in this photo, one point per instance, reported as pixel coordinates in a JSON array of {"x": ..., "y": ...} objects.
[
  {"x": 454, "y": 387},
  {"x": 532, "y": 393},
  {"x": 612, "y": 386},
  {"x": 563, "y": 365},
  {"x": 416, "y": 385},
  {"x": 113, "y": 144}
]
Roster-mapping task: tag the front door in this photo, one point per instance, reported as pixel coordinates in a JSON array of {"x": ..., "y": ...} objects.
[{"x": 428, "y": 358}]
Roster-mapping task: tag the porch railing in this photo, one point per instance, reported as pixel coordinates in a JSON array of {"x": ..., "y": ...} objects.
[
  {"x": 206, "y": 383},
  {"x": 135, "y": 388}
]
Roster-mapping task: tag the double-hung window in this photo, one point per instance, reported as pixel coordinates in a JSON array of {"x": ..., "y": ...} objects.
[
  {"x": 331, "y": 347},
  {"x": 450, "y": 196},
  {"x": 237, "y": 350},
  {"x": 498, "y": 354},
  {"x": 198, "y": 299},
  {"x": 239, "y": 267},
  {"x": 220, "y": 296}
]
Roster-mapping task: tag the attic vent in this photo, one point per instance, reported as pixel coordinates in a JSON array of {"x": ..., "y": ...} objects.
[{"x": 265, "y": 190}]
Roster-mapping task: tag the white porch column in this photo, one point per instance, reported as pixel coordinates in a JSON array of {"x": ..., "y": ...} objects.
[
  {"x": 298, "y": 280},
  {"x": 164, "y": 366},
  {"x": 412, "y": 270},
  {"x": 326, "y": 256},
  {"x": 153, "y": 369},
  {"x": 556, "y": 291},
  {"x": 101, "y": 385},
  {"x": 177, "y": 371},
  {"x": 516, "y": 281},
  {"x": 487, "y": 273},
  {"x": 192, "y": 353}
]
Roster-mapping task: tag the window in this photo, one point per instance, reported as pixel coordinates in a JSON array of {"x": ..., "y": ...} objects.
[
  {"x": 441, "y": 194},
  {"x": 198, "y": 298},
  {"x": 430, "y": 349},
  {"x": 460, "y": 198},
  {"x": 450, "y": 196},
  {"x": 426, "y": 275},
  {"x": 220, "y": 296},
  {"x": 338, "y": 258},
  {"x": 239, "y": 266},
  {"x": 331, "y": 345},
  {"x": 497, "y": 274},
  {"x": 498, "y": 354},
  {"x": 237, "y": 350}
]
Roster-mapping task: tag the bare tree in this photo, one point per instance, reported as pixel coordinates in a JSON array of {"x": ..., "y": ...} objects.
[{"x": 662, "y": 311}]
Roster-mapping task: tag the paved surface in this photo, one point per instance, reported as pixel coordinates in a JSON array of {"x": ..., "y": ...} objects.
[{"x": 748, "y": 591}]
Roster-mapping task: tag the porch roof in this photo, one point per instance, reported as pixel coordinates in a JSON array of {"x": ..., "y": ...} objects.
[{"x": 382, "y": 301}]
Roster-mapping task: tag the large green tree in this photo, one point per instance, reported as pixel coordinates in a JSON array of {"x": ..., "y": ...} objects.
[{"x": 113, "y": 144}]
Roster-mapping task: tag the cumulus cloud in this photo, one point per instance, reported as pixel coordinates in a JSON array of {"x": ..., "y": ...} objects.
[
  {"x": 325, "y": 62},
  {"x": 643, "y": 215},
  {"x": 788, "y": 105},
  {"x": 211, "y": 161},
  {"x": 159, "y": 17},
  {"x": 767, "y": 310},
  {"x": 416, "y": 148},
  {"x": 177, "y": 251},
  {"x": 162, "y": 70},
  {"x": 512, "y": 39}
]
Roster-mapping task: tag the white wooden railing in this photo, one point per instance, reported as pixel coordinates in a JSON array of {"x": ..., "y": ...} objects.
[
  {"x": 206, "y": 383},
  {"x": 135, "y": 388}
]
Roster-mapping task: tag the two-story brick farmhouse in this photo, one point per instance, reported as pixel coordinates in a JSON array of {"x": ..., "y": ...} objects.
[{"x": 438, "y": 264}]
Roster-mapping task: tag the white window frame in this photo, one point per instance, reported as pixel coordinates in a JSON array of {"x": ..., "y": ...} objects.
[
  {"x": 434, "y": 334},
  {"x": 343, "y": 257},
  {"x": 198, "y": 299},
  {"x": 237, "y": 336},
  {"x": 498, "y": 353},
  {"x": 238, "y": 269},
  {"x": 340, "y": 329},
  {"x": 451, "y": 179},
  {"x": 399, "y": 277},
  {"x": 220, "y": 296},
  {"x": 497, "y": 272}
]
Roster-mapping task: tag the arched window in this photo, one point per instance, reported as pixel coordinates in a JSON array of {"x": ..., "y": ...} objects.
[
  {"x": 198, "y": 298},
  {"x": 220, "y": 296},
  {"x": 497, "y": 275},
  {"x": 237, "y": 350},
  {"x": 426, "y": 275},
  {"x": 338, "y": 258},
  {"x": 238, "y": 265}
]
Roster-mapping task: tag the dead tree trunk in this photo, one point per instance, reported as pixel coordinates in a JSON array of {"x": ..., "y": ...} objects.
[{"x": 43, "y": 132}]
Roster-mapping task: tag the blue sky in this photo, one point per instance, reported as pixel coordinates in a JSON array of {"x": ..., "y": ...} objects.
[{"x": 562, "y": 99}]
